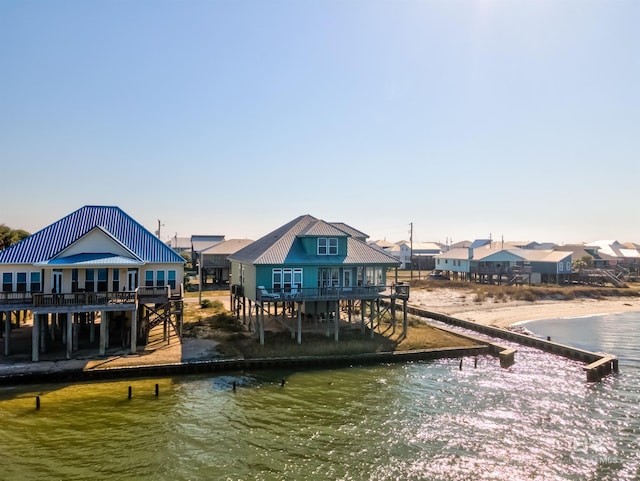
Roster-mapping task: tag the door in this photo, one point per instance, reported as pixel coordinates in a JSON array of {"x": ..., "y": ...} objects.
[
  {"x": 132, "y": 279},
  {"x": 346, "y": 278},
  {"x": 56, "y": 282}
]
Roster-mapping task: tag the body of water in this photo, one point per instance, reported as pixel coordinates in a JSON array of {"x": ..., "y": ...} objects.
[{"x": 538, "y": 420}]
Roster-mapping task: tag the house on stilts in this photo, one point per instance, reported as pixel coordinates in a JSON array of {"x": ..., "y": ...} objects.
[
  {"x": 92, "y": 279},
  {"x": 309, "y": 271}
]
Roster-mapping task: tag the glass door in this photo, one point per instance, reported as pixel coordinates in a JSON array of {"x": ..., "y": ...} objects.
[
  {"x": 132, "y": 279},
  {"x": 56, "y": 282}
]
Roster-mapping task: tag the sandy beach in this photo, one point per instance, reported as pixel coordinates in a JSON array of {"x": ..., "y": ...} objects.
[{"x": 459, "y": 304}]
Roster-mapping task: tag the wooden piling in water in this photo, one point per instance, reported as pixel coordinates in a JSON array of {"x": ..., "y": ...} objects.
[{"x": 507, "y": 357}]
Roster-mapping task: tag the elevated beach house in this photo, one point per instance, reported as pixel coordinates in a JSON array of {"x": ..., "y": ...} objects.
[
  {"x": 491, "y": 263},
  {"x": 313, "y": 267},
  {"x": 93, "y": 277}
]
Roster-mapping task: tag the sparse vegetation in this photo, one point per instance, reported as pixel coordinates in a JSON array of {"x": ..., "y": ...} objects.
[
  {"x": 482, "y": 292},
  {"x": 209, "y": 319},
  {"x": 215, "y": 322}
]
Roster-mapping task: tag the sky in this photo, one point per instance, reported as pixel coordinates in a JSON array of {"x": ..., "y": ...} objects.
[{"x": 464, "y": 119}]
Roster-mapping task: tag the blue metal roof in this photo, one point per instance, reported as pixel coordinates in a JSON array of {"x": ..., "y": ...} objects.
[{"x": 50, "y": 241}]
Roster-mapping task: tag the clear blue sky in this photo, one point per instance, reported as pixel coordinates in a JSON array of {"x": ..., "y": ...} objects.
[{"x": 468, "y": 118}]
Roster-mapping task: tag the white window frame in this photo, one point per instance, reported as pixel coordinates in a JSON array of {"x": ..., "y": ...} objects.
[
  {"x": 289, "y": 277},
  {"x": 327, "y": 246},
  {"x": 322, "y": 246}
]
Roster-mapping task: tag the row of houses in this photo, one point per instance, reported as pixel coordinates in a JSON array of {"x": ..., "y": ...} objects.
[
  {"x": 97, "y": 278},
  {"x": 485, "y": 260}
]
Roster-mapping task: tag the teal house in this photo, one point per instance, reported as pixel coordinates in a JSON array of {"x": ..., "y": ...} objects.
[{"x": 313, "y": 264}]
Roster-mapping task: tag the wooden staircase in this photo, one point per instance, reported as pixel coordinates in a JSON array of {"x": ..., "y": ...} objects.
[{"x": 167, "y": 314}]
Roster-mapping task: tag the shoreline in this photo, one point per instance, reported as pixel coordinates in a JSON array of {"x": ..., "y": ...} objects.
[
  {"x": 449, "y": 302},
  {"x": 455, "y": 303}
]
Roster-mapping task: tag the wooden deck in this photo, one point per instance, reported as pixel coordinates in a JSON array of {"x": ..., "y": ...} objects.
[
  {"x": 311, "y": 294},
  {"x": 39, "y": 301}
]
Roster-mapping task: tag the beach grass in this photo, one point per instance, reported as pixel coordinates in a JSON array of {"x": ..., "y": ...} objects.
[{"x": 485, "y": 292}]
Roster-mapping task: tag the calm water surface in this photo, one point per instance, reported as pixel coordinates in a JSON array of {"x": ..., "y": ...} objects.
[{"x": 538, "y": 420}]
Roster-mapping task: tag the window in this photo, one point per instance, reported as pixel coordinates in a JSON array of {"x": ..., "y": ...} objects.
[
  {"x": 333, "y": 246},
  {"x": 276, "y": 279},
  {"x": 116, "y": 280},
  {"x": 242, "y": 275},
  {"x": 297, "y": 278},
  {"x": 35, "y": 285},
  {"x": 327, "y": 246},
  {"x": 148, "y": 278},
  {"x": 569, "y": 265},
  {"x": 285, "y": 279},
  {"x": 322, "y": 246},
  {"x": 89, "y": 280},
  {"x": 160, "y": 279},
  {"x": 102, "y": 280},
  {"x": 369, "y": 276},
  {"x": 21, "y": 282},
  {"x": 7, "y": 282},
  {"x": 374, "y": 276},
  {"x": 172, "y": 279}
]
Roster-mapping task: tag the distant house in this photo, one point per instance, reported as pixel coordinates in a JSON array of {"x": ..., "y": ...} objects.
[
  {"x": 180, "y": 244},
  {"x": 488, "y": 262},
  {"x": 616, "y": 253},
  {"x": 215, "y": 262},
  {"x": 200, "y": 243},
  {"x": 423, "y": 252},
  {"x": 96, "y": 266},
  {"x": 312, "y": 263},
  {"x": 393, "y": 249}
]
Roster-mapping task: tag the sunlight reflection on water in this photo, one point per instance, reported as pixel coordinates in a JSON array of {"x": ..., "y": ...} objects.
[{"x": 537, "y": 420}]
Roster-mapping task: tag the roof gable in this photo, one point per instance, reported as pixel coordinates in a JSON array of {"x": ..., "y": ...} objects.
[
  {"x": 54, "y": 239},
  {"x": 96, "y": 241},
  {"x": 350, "y": 230},
  {"x": 320, "y": 228}
]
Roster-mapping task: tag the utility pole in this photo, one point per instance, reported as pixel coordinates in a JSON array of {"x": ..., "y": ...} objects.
[{"x": 411, "y": 249}]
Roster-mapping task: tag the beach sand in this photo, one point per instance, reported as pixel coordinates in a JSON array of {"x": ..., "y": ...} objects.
[{"x": 459, "y": 304}]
